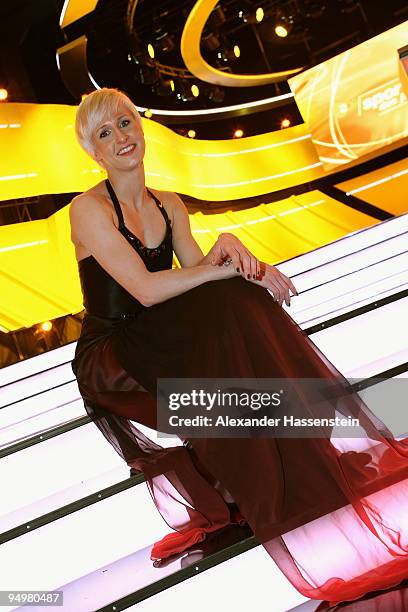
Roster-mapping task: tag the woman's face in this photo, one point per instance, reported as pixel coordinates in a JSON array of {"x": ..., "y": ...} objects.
[{"x": 119, "y": 142}]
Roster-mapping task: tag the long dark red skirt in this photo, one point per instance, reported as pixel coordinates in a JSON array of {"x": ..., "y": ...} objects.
[{"x": 346, "y": 499}]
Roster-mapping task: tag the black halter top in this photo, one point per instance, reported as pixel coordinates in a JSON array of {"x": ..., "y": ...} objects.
[{"x": 102, "y": 295}]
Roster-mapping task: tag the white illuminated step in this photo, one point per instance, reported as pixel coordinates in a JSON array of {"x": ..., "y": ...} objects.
[
  {"x": 352, "y": 243},
  {"x": 45, "y": 484},
  {"x": 345, "y": 277},
  {"x": 80, "y": 543},
  {"x": 353, "y": 262},
  {"x": 40, "y": 413},
  {"x": 39, "y": 363},
  {"x": 57, "y": 376},
  {"x": 346, "y": 294},
  {"x": 86, "y": 463},
  {"x": 131, "y": 572},
  {"x": 368, "y": 344},
  {"x": 245, "y": 582}
]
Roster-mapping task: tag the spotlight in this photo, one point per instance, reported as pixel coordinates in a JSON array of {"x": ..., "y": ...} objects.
[
  {"x": 238, "y": 133},
  {"x": 191, "y": 133},
  {"x": 285, "y": 123},
  {"x": 150, "y": 50},
  {"x": 251, "y": 15},
  {"x": 283, "y": 24},
  {"x": 281, "y": 31},
  {"x": 46, "y": 326},
  {"x": 148, "y": 113},
  {"x": 230, "y": 53},
  {"x": 259, "y": 14},
  {"x": 3, "y": 94},
  {"x": 195, "y": 91}
]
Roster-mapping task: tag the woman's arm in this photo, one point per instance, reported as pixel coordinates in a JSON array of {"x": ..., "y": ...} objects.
[{"x": 92, "y": 225}]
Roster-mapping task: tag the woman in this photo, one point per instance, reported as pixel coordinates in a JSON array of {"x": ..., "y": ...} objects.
[{"x": 213, "y": 318}]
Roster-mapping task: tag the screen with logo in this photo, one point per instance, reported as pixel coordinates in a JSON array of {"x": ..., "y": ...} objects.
[{"x": 355, "y": 102}]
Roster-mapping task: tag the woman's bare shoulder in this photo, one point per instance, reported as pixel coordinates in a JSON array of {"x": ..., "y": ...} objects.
[
  {"x": 93, "y": 199},
  {"x": 84, "y": 210}
]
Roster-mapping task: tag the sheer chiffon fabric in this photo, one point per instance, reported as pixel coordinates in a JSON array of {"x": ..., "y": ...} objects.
[{"x": 332, "y": 513}]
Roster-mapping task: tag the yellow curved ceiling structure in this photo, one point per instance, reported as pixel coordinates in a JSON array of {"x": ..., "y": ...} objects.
[
  {"x": 39, "y": 155},
  {"x": 39, "y": 276},
  {"x": 196, "y": 64}
]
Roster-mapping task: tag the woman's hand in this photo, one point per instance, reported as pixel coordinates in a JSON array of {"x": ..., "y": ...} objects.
[
  {"x": 275, "y": 281},
  {"x": 229, "y": 251},
  {"x": 229, "y": 248}
]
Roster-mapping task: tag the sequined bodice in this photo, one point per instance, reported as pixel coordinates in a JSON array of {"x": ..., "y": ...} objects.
[{"x": 102, "y": 295}]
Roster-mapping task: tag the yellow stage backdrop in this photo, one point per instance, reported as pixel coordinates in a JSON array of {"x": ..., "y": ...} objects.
[{"x": 39, "y": 155}]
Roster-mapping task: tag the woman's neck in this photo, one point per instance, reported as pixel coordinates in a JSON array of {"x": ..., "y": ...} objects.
[{"x": 130, "y": 187}]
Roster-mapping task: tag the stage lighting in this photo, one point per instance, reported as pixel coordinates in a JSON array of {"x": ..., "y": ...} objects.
[
  {"x": 251, "y": 15},
  {"x": 238, "y": 133},
  {"x": 191, "y": 133},
  {"x": 46, "y": 326},
  {"x": 282, "y": 24},
  {"x": 148, "y": 113},
  {"x": 3, "y": 94},
  {"x": 285, "y": 123},
  {"x": 259, "y": 14},
  {"x": 195, "y": 91},
  {"x": 281, "y": 31},
  {"x": 229, "y": 53},
  {"x": 150, "y": 50}
]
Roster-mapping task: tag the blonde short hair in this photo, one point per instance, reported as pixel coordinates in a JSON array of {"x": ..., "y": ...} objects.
[{"x": 94, "y": 109}]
